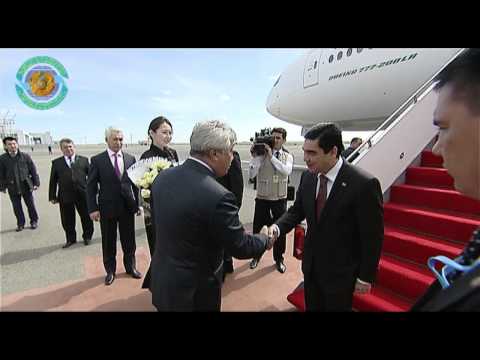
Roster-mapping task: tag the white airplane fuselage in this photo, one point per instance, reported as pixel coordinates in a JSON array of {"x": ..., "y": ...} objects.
[{"x": 357, "y": 90}]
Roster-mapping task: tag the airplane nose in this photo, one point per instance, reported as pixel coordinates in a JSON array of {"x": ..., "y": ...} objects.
[{"x": 273, "y": 102}]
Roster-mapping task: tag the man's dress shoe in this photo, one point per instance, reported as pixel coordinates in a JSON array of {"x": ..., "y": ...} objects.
[
  {"x": 34, "y": 225},
  {"x": 19, "y": 228},
  {"x": 109, "y": 279},
  {"x": 87, "y": 241},
  {"x": 68, "y": 244},
  {"x": 254, "y": 263},
  {"x": 280, "y": 266},
  {"x": 135, "y": 274}
]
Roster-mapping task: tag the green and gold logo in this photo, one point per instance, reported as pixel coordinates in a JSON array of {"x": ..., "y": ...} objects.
[{"x": 41, "y": 82}]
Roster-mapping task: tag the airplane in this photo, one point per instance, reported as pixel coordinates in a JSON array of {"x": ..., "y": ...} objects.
[{"x": 357, "y": 88}]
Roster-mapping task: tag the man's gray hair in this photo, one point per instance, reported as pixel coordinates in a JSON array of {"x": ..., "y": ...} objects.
[
  {"x": 211, "y": 135},
  {"x": 111, "y": 130}
]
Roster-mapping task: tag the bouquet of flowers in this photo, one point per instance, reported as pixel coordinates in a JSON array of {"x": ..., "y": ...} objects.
[{"x": 143, "y": 173}]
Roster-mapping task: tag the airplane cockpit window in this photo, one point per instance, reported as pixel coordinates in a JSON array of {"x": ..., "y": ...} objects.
[
  {"x": 276, "y": 82},
  {"x": 349, "y": 52},
  {"x": 330, "y": 59},
  {"x": 359, "y": 50},
  {"x": 339, "y": 55}
]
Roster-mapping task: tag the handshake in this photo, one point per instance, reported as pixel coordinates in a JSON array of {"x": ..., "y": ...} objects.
[{"x": 272, "y": 234}]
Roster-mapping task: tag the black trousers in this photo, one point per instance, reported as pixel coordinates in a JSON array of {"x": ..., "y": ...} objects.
[
  {"x": 150, "y": 230},
  {"x": 16, "y": 200},
  {"x": 317, "y": 298},
  {"x": 208, "y": 296},
  {"x": 266, "y": 213},
  {"x": 67, "y": 215},
  {"x": 126, "y": 226}
]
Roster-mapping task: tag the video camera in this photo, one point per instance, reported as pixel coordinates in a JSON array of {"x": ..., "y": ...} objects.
[{"x": 262, "y": 138}]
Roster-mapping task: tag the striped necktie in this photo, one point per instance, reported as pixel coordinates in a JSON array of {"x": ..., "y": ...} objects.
[{"x": 322, "y": 196}]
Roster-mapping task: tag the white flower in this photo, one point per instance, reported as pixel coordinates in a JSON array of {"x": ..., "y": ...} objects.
[
  {"x": 145, "y": 193},
  {"x": 160, "y": 165}
]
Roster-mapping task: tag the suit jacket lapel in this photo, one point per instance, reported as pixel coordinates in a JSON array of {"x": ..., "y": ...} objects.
[
  {"x": 110, "y": 165},
  {"x": 336, "y": 193},
  {"x": 126, "y": 164}
]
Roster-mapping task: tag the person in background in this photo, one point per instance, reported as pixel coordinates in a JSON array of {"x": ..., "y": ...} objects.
[
  {"x": 232, "y": 181},
  {"x": 19, "y": 176},
  {"x": 354, "y": 144},
  {"x": 160, "y": 132},
  {"x": 69, "y": 175},
  {"x": 116, "y": 205},
  {"x": 272, "y": 171}
]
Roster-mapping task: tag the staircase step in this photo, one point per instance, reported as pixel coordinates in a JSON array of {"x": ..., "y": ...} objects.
[
  {"x": 437, "y": 223},
  {"x": 297, "y": 298},
  {"x": 380, "y": 300},
  {"x": 415, "y": 247},
  {"x": 434, "y": 198},
  {"x": 430, "y": 159},
  {"x": 429, "y": 176},
  {"x": 403, "y": 278}
]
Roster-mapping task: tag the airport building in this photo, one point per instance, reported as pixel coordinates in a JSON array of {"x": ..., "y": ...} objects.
[{"x": 7, "y": 128}]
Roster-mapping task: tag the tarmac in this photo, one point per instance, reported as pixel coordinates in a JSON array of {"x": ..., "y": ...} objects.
[{"x": 36, "y": 274}]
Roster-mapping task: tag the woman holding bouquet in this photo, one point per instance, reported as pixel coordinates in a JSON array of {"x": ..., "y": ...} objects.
[{"x": 160, "y": 132}]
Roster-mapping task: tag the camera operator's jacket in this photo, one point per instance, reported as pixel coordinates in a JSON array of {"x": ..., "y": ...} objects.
[{"x": 267, "y": 188}]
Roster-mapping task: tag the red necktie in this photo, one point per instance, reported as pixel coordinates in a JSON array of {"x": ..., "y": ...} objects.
[
  {"x": 322, "y": 196},
  {"x": 117, "y": 169}
]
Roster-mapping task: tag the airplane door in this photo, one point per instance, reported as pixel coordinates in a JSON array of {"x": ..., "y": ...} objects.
[{"x": 310, "y": 74}]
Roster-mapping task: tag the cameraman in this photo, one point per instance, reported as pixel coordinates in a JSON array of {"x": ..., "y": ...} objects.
[{"x": 272, "y": 170}]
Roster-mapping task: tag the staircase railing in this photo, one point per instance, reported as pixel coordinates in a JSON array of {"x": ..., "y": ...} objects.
[{"x": 404, "y": 107}]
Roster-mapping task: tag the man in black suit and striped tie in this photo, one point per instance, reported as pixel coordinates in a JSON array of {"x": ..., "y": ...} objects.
[{"x": 69, "y": 175}]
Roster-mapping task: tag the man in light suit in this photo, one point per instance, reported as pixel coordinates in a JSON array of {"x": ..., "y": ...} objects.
[
  {"x": 343, "y": 207},
  {"x": 117, "y": 203},
  {"x": 196, "y": 218},
  {"x": 69, "y": 176}
]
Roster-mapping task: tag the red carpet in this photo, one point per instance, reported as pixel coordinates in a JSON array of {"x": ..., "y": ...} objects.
[{"x": 424, "y": 217}]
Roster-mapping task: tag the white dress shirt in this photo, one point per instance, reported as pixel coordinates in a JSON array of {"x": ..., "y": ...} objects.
[
  {"x": 331, "y": 176},
  {"x": 121, "y": 164},
  {"x": 67, "y": 160},
  {"x": 284, "y": 169}
]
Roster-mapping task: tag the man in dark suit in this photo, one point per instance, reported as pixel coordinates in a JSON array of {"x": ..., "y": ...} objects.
[
  {"x": 354, "y": 144},
  {"x": 196, "y": 218},
  {"x": 19, "y": 176},
  {"x": 69, "y": 175},
  {"x": 117, "y": 203},
  {"x": 232, "y": 181},
  {"x": 343, "y": 207}
]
